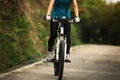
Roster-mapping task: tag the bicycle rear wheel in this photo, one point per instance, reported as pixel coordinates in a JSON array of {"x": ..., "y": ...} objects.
[{"x": 61, "y": 60}]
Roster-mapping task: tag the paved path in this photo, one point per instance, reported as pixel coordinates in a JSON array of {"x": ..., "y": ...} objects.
[{"x": 89, "y": 62}]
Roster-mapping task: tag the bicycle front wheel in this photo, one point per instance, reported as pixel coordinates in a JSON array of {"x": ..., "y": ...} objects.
[{"x": 61, "y": 60}]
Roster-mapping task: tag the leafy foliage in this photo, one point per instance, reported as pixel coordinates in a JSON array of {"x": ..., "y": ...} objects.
[
  {"x": 100, "y": 22},
  {"x": 111, "y": 24}
]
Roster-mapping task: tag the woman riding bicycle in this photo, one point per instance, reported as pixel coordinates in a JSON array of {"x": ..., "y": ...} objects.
[{"x": 59, "y": 9}]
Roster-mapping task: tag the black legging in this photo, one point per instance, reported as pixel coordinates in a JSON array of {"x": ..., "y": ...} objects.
[{"x": 53, "y": 35}]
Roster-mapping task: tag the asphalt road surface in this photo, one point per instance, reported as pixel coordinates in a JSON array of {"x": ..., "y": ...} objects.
[{"x": 89, "y": 62}]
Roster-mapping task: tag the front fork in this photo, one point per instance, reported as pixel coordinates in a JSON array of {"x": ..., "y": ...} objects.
[
  {"x": 58, "y": 48},
  {"x": 65, "y": 52}
]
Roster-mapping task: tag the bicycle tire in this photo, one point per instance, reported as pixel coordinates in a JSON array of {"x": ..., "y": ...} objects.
[{"x": 61, "y": 60}]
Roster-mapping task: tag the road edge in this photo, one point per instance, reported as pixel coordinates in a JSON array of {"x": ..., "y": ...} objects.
[{"x": 23, "y": 68}]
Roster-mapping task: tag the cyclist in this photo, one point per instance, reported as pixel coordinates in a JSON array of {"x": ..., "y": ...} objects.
[{"x": 58, "y": 9}]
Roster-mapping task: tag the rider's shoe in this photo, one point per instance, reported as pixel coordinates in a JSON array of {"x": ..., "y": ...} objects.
[
  {"x": 68, "y": 58},
  {"x": 50, "y": 57}
]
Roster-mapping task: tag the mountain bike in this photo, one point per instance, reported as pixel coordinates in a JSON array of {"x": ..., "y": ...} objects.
[{"x": 61, "y": 47}]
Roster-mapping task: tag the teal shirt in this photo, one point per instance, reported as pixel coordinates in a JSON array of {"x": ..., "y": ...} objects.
[{"x": 61, "y": 8}]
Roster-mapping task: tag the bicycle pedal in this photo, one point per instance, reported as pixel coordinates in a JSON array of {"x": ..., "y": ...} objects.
[
  {"x": 67, "y": 61},
  {"x": 52, "y": 60}
]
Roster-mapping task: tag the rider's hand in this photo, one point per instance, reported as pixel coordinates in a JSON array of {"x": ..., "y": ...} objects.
[
  {"x": 48, "y": 17},
  {"x": 77, "y": 19}
]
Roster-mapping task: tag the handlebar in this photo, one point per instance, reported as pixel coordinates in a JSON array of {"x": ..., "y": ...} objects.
[{"x": 62, "y": 20}]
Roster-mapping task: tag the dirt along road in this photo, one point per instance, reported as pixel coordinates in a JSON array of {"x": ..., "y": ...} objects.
[{"x": 89, "y": 62}]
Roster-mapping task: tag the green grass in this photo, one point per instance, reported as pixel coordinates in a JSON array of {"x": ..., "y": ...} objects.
[{"x": 16, "y": 45}]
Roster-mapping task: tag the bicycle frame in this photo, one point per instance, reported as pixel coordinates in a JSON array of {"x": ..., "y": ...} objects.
[
  {"x": 61, "y": 35},
  {"x": 61, "y": 48}
]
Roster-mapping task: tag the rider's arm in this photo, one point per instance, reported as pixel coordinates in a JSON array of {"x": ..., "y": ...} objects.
[
  {"x": 75, "y": 5},
  {"x": 50, "y": 7}
]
